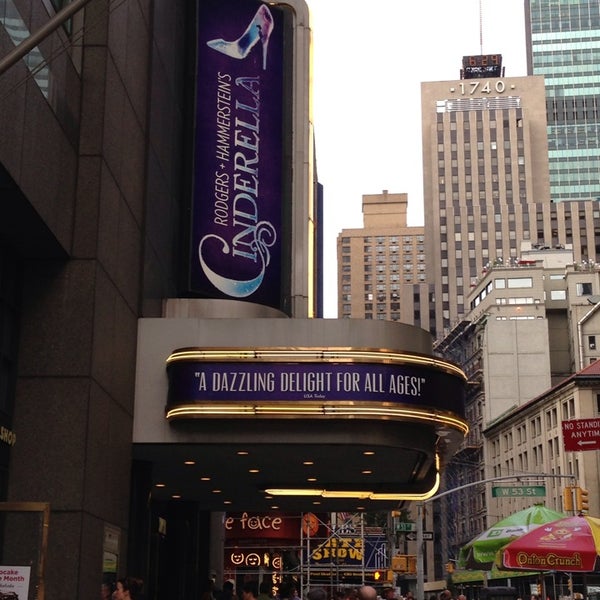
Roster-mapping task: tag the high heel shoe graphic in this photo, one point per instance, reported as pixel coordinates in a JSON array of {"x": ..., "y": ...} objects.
[{"x": 259, "y": 29}]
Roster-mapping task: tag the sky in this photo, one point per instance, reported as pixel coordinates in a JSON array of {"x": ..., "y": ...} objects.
[{"x": 369, "y": 59}]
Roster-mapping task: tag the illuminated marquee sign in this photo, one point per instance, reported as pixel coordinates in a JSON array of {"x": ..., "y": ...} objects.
[
  {"x": 239, "y": 170},
  {"x": 193, "y": 381}
]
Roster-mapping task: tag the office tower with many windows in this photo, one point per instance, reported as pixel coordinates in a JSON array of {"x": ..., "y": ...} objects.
[
  {"x": 484, "y": 163},
  {"x": 486, "y": 184},
  {"x": 563, "y": 45},
  {"x": 382, "y": 268}
]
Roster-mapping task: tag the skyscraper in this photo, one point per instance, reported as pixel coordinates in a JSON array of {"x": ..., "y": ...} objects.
[
  {"x": 486, "y": 184},
  {"x": 484, "y": 164},
  {"x": 563, "y": 45}
]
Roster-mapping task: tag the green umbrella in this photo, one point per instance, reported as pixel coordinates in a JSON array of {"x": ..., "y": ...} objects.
[{"x": 480, "y": 552}]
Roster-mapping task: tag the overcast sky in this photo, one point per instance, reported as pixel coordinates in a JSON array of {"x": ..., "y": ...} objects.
[{"x": 369, "y": 59}]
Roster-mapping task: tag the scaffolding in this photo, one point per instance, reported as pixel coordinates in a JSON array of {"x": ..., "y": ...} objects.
[{"x": 346, "y": 556}]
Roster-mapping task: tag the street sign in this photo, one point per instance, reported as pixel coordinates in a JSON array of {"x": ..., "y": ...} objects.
[
  {"x": 581, "y": 434},
  {"x": 427, "y": 536},
  {"x": 518, "y": 491},
  {"x": 405, "y": 526}
]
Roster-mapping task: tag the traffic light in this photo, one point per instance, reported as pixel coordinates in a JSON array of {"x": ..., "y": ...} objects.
[
  {"x": 581, "y": 498},
  {"x": 568, "y": 498},
  {"x": 377, "y": 576}
]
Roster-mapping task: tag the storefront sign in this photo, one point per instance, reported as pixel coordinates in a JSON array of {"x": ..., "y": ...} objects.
[
  {"x": 253, "y": 557},
  {"x": 14, "y": 582},
  {"x": 247, "y": 525},
  {"x": 7, "y": 436}
]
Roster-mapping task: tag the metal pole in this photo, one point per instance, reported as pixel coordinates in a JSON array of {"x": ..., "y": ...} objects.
[
  {"x": 420, "y": 568},
  {"x": 34, "y": 39}
]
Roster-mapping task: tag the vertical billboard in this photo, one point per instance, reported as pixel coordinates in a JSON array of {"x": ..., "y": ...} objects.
[{"x": 237, "y": 222}]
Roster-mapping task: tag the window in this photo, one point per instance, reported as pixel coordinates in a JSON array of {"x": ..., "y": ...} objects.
[
  {"x": 592, "y": 342},
  {"x": 558, "y": 295},
  {"x": 520, "y": 282},
  {"x": 584, "y": 289}
]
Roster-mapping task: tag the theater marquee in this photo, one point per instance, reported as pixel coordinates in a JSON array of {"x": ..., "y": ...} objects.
[{"x": 316, "y": 382}]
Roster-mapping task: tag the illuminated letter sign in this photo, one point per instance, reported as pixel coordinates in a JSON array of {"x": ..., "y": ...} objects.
[
  {"x": 200, "y": 382},
  {"x": 236, "y": 223}
]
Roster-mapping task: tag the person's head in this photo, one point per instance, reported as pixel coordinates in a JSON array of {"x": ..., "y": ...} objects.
[
  {"x": 106, "y": 591},
  {"x": 367, "y": 592},
  {"x": 229, "y": 586},
  {"x": 265, "y": 587},
  {"x": 129, "y": 588},
  {"x": 286, "y": 590},
  {"x": 388, "y": 593},
  {"x": 249, "y": 590},
  {"x": 317, "y": 593}
]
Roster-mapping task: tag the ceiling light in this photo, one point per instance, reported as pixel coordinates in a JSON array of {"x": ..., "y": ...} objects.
[
  {"x": 368, "y": 453},
  {"x": 366, "y": 472},
  {"x": 176, "y": 496},
  {"x": 161, "y": 485},
  {"x": 308, "y": 462},
  {"x": 293, "y": 492},
  {"x": 311, "y": 479},
  {"x": 253, "y": 470},
  {"x": 204, "y": 478},
  {"x": 189, "y": 462},
  {"x": 216, "y": 491},
  {"x": 242, "y": 453}
]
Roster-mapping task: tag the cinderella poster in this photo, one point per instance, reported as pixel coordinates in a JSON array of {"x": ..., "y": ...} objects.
[{"x": 236, "y": 237}]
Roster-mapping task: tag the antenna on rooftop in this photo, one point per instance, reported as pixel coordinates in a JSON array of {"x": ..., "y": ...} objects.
[{"x": 481, "y": 26}]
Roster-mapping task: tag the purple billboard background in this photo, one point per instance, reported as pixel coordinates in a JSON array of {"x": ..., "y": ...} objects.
[
  {"x": 238, "y": 156},
  {"x": 200, "y": 382}
]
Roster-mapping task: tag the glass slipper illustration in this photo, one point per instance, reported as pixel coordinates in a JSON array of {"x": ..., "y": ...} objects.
[{"x": 259, "y": 29}]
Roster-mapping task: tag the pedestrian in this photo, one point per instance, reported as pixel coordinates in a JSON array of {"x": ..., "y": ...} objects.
[
  {"x": 129, "y": 588},
  {"x": 367, "y": 592},
  {"x": 265, "y": 590},
  {"x": 227, "y": 593},
  {"x": 317, "y": 593},
  {"x": 250, "y": 590}
]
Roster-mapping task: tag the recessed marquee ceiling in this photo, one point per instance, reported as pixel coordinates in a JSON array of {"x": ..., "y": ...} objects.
[
  {"x": 355, "y": 416},
  {"x": 232, "y": 463}
]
